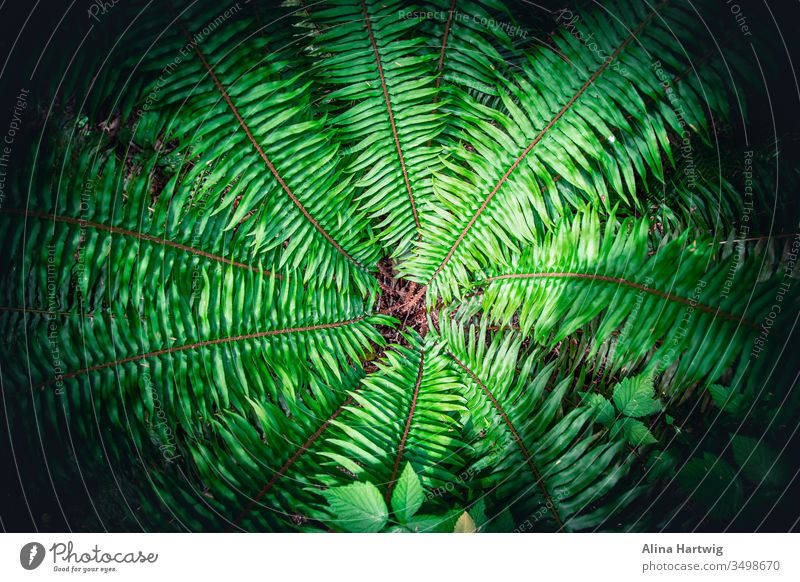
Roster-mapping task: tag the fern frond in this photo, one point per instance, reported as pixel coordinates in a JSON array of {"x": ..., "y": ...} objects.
[
  {"x": 382, "y": 106},
  {"x": 406, "y": 412},
  {"x": 361, "y": 265},
  {"x": 508, "y": 182},
  {"x": 544, "y": 464},
  {"x": 674, "y": 298}
]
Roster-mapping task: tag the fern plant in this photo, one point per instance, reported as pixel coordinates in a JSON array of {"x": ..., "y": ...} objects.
[{"x": 368, "y": 266}]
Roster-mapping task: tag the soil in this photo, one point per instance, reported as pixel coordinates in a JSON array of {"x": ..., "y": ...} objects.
[{"x": 402, "y": 299}]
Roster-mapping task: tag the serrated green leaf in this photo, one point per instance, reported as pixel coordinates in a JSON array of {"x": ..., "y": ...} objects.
[
  {"x": 634, "y": 397},
  {"x": 712, "y": 482},
  {"x": 635, "y": 432},
  {"x": 726, "y": 398},
  {"x": 603, "y": 409},
  {"x": 408, "y": 495},
  {"x": 757, "y": 461},
  {"x": 358, "y": 507}
]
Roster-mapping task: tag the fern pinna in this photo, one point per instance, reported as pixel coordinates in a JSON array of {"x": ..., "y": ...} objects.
[{"x": 374, "y": 266}]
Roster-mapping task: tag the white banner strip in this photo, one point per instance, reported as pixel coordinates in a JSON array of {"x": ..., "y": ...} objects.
[{"x": 352, "y": 558}]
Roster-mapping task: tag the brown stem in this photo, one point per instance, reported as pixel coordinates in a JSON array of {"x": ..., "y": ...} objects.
[
  {"x": 538, "y": 138},
  {"x": 136, "y": 235},
  {"x": 630, "y": 284},
  {"x": 368, "y": 26},
  {"x": 291, "y": 461},
  {"x": 518, "y": 439},
  {"x": 202, "y": 344},
  {"x": 261, "y": 152},
  {"x": 401, "y": 447}
]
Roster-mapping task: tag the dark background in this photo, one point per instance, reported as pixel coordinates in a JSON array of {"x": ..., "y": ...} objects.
[{"x": 26, "y": 28}]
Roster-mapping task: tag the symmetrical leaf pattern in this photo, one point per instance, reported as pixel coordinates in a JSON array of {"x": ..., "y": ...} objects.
[{"x": 298, "y": 265}]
